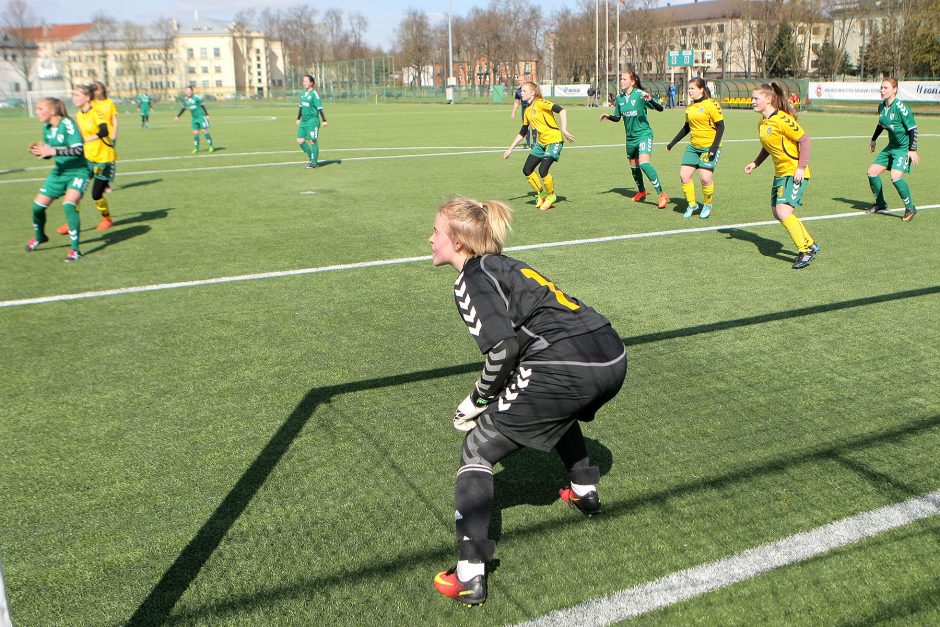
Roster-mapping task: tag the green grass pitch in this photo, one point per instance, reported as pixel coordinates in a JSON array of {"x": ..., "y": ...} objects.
[{"x": 280, "y": 450}]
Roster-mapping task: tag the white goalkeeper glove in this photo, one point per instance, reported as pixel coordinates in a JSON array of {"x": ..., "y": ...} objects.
[{"x": 465, "y": 417}]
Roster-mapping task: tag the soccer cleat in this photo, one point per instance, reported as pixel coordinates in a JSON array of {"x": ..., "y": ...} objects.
[
  {"x": 195, "y": 151},
  {"x": 471, "y": 592},
  {"x": 691, "y": 209},
  {"x": 211, "y": 148},
  {"x": 814, "y": 249},
  {"x": 540, "y": 198},
  {"x": 105, "y": 224},
  {"x": 34, "y": 243},
  {"x": 548, "y": 202},
  {"x": 663, "y": 199},
  {"x": 73, "y": 255},
  {"x": 589, "y": 504},
  {"x": 311, "y": 165},
  {"x": 640, "y": 196},
  {"x": 706, "y": 211},
  {"x": 63, "y": 230},
  {"x": 877, "y": 208},
  {"x": 804, "y": 259},
  {"x": 909, "y": 214}
]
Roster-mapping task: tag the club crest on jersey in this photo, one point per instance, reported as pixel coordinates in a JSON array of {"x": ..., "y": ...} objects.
[
  {"x": 769, "y": 131},
  {"x": 701, "y": 109}
]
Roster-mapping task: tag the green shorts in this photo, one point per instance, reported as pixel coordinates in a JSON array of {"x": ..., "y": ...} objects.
[
  {"x": 57, "y": 183},
  {"x": 786, "y": 192},
  {"x": 200, "y": 125},
  {"x": 547, "y": 150},
  {"x": 309, "y": 131},
  {"x": 639, "y": 147},
  {"x": 698, "y": 157},
  {"x": 102, "y": 171},
  {"x": 894, "y": 159}
]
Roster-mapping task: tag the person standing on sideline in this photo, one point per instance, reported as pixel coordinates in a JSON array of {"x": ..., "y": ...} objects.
[
  {"x": 308, "y": 121},
  {"x": 704, "y": 119},
  {"x": 672, "y": 95},
  {"x": 144, "y": 103},
  {"x": 631, "y": 105},
  {"x": 540, "y": 114},
  {"x": 895, "y": 117},
  {"x": 784, "y": 140},
  {"x": 200, "y": 115},
  {"x": 62, "y": 141},
  {"x": 552, "y": 362},
  {"x": 517, "y": 103}
]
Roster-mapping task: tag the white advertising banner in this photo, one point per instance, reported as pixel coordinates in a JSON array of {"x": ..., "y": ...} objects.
[
  {"x": 908, "y": 91},
  {"x": 570, "y": 91}
]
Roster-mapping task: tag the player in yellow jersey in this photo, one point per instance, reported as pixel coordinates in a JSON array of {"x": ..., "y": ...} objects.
[
  {"x": 704, "y": 120},
  {"x": 540, "y": 114},
  {"x": 99, "y": 150},
  {"x": 785, "y": 141},
  {"x": 105, "y": 107}
]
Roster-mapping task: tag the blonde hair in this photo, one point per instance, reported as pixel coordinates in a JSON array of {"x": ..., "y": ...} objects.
[
  {"x": 778, "y": 98},
  {"x": 536, "y": 90},
  {"x": 57, "y": 106},
  {"x": 481, "y": 227}
]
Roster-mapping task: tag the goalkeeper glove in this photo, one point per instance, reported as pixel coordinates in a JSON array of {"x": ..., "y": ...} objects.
[{"x": 466, "y": 414}]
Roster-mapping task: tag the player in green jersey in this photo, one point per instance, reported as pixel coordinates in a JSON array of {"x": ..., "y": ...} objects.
[
  {"x": 62, "y": 141},
  {"x": 144, "y": 103},
  {"x": 896, "y": 118},
  {"x": 200, "y": 118},
  {"x": 308, "y": 121},
  {"x": 630, "y": 106}
]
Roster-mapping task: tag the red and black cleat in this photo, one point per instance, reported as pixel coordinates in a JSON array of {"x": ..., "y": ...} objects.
[
  {"x": 471, "y": 592},
  {"x": 589, "y": 504}
]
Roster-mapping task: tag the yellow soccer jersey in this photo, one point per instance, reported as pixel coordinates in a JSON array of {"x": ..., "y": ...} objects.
[
  {"x": 107, "y": 110},
  {"x": 779, "y": 135},
  {"x": 702, "y": 117},
  {"x": 97, "y": 151},
  {"x": 539, "y": 116}
]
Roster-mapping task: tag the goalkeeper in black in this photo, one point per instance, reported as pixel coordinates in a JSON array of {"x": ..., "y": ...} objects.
[{"x": 551, "y": 363}]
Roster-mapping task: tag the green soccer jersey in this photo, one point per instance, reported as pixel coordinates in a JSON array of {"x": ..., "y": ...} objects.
[
  {"x": 310, "y": 104},
  {"x": 144, "y": 102},
  {"x": 66, "y": 134},
  {"x": 194, "y": 104},
  {"x": 631, "y": 108},
  {"x": 897, "y": 119}
]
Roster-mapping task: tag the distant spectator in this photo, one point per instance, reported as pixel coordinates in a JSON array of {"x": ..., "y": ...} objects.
[{"x": 672, "y": 96}]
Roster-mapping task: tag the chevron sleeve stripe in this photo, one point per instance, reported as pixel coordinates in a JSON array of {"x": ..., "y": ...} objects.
[{"x": 499, "y": 366}]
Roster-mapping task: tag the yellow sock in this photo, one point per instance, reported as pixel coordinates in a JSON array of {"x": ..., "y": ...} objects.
[
  {"x": 535, "y": 182},
  {"x": 689, "y": 190},
  {"x": 549, "y": 181},
  {"x": 708, "y": 191},
  {"x": 103, "y": 207},
  {"x": 798, "y": 232}
]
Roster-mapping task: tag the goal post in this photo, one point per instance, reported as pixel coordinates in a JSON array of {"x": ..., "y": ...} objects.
[{"x": 34, "y": 96}]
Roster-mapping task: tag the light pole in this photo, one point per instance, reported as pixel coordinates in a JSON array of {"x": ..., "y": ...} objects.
[{"x": 451, "y": 81}]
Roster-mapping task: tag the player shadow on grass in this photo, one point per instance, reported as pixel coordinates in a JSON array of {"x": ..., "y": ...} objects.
[
  {"x": 865, "y": 205},
  {"x": 114, "y": 236},
  {"x": 139, "y": 183},
  {"x": 623, "y": 191},
  {"x": 530, "y": 477},
  {"x": 767, "y": 247},
  {"x": 143, "y": 216},
  {"x": 326, "y": 162},
  {"x": 160, "y": 602}
]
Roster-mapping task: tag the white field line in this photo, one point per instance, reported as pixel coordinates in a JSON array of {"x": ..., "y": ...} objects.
[
  {"x": 403, "y": 260},
  {"x": 482, "y": 150},
  {"x": 699, "y": 580}
]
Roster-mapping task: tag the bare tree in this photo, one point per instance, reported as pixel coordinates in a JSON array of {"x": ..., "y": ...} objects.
[
  {"x": 165, "y": 34},
  {"x": 573, "y": 43},
  {"x": 18, "y": 17},
  {"x": 133, "y": 35},
  {"x": 415, "y": 42},
  {"x": 100, "y": 36}
]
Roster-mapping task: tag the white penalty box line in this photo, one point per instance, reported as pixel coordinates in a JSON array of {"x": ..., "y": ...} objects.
[
  {"x": 699, "y": 580},
  {"x": 403, "y": 260}
]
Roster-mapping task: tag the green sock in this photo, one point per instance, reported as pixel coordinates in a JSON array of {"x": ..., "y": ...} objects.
[
  {"x": 196, "y": 142},
  {"x": 650, "y": 172},
  {"x": 314, "y": 152},
  {"x": 638, "y": 177},
  {"x": 905, "y": 192},
  {"x": 209, "y": 139},
  {"x": 39, "y": 221},
  {"x": 875, "y": 183},
  {"x": 74, "y": 222}
]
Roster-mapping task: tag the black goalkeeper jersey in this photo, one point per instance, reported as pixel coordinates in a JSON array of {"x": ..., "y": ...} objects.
[{"x": 500, "y": 297}]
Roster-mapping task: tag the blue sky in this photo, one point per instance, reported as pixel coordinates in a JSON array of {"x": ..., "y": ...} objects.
[{"x": 383, "y": 15}]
